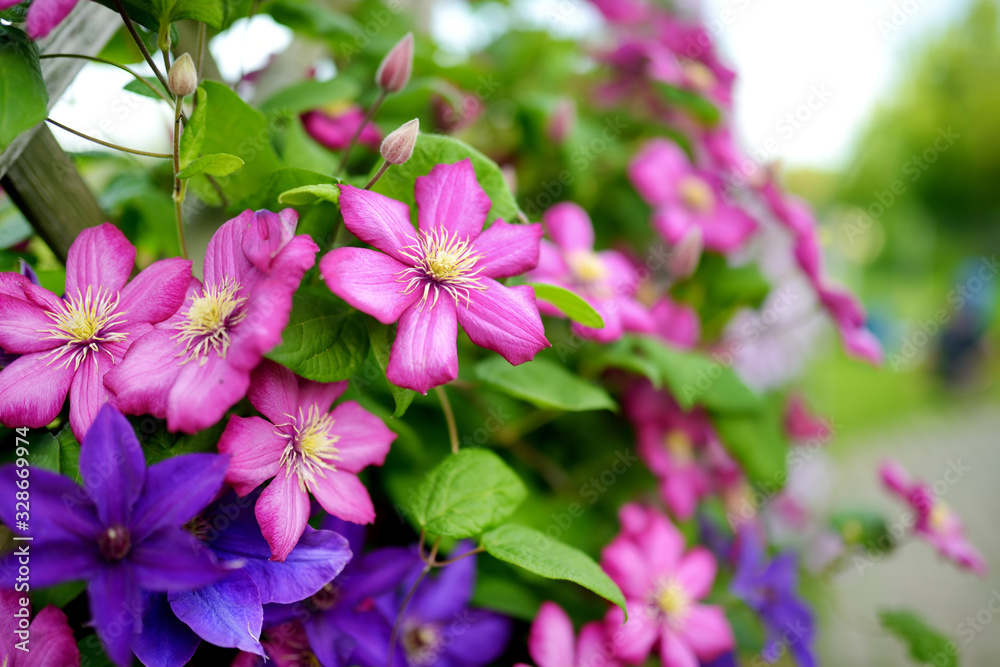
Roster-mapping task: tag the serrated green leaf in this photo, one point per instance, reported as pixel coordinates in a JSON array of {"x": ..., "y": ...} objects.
[
  {"x": 311, "y": 94},
  {"x": 544, "y": 384},
  {"x": 325, "y": 340},
  {"x": 379, "y": 334},
  {"x": 216, "y": 164},
  {"x": 310, "y": 194},
  {"x": 466, "y": 494},
  {"x": 433, "y": 149},
  {"x": 536, "y": 552},
  {"x": 571, "y": 304},
  {"x": 23, "y": 96},
  {"x": 927, "y": 645}
]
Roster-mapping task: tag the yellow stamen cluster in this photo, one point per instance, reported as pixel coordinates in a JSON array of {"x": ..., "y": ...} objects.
[
  {"x": 586, "y": 266},
  {"x": 699, "y": 74},
  {"x": 673, "y": 601},
  {"x": 444, "y": 260},
  {"x": 311, "y": 447},
  {"x": 84, "y": 324},
  {"x": 940, "y": 517},
  {"x": 679, "y": 446},
  {"x": 207, "y": 321},
  {"x": 696, "y": 194}
]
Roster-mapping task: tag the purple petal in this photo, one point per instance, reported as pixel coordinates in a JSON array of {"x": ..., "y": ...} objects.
[
  {"x": 22, "y": 324},
  {"x": 445, "y": 596},
  {"x": 100, "y": 257},
  {"x": 450, "y": 198},
  {"x": 44, "y": 16},
  {"x": 425, "y": 353},
  {"x": 507, "y": 250},
  {"x": 62, "y": 510},
  {"x": 363, "y": 439},
  {"x": 377, "y": 220},
  {"x": 156, "y": 293},
  {"x": 112, "y": 466},
  {"x": 352, "y": 532},
  {"x": 227, "y": 613},
  {"x": 141, "y": 383},
  {"x": 32, "y": 391},
  {"x": 116, "y": 607},
  {"x": 375, "y": 573},
  {"x": 164, "y": 640},
  {"x": 318, "y": 557},
  {"x": 56, "y": 561},
  {"x": 479, "y": 637},
  {"x": 368, "y": 281},
  {"x": 505, "y": 320},
  {"x": 569, "y": 227},
  {"x": 173, "y": 560},
  {"x": 176, "y": 490},
  {"x": 332, "y": 645}
]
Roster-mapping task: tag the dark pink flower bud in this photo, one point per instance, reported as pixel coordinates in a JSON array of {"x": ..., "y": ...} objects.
[
  {"x": 394, "y": 71},
  {"x": 398, "y": 146},
  {"x": 686, "y": 256}
]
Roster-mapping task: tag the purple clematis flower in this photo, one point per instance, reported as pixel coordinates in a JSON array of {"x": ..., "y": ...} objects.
[
  {"x": 334, "y": 130},
  {"x": 68, "y": 345},
  {"x": 443, "y": 274},
  {"x": 197, "y": 364},
  {"x": 229, "y": 612},
  {"x": 769, "y": 588},
  {"x": 606, "y": 280},
  {"x": 122, "y": 531},
  {"x": 685, "y": 198},
  {"x": 43, "y": 15},
  {"x": 47, "y": 641}
]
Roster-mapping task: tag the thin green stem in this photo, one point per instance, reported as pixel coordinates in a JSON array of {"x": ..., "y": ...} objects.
[
  {"x": 138, "y": 42},
  {"x": 369, "y": 116},
  {"x": 133, "y": 151},
  {"x": 381, "y": 171},
  {"x": 178, "y": 185},
  {"x": 104, "y": 61},
  {"x": 473, "y": 552},
  {"x": 449, "y": 417}
]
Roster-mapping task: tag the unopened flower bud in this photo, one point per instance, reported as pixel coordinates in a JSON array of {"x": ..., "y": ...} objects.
[
  {"x": 394, "y": 71},
  {"x": 397, "y": 147},
  {"x": 686, "y": 255},
  {"x": 183, "y": 76},
  {"x": 563, "y": 120}
]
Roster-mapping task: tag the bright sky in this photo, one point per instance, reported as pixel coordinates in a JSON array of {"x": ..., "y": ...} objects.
[{"x": 790, "y": 53}]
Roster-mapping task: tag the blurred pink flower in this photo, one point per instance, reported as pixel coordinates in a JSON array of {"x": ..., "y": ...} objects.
[
  {"x": 801, "y": 425},
  {"x": 335, "y": 130},
  {"x": 43, "y": 15},
  {"x": 551, "y": 641}
]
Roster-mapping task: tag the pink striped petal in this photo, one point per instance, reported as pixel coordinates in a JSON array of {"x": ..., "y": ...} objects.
[
  {"x": 656, "y": 170},
  {"x": 674, "y": 651},
  {"x": 22, "y": 324},
  {"x": 696, "y": 572},
  {"x": 320, "y": 394},
  {"x": 550, "y": 641},
  {"x": 507, "y": 250},
  {"x": 451, "y": 198},
  {"x": 32, "y": 391},
  {"x": 274, "y": 391},
  {"x": 100, "y": 257},
  {"x": 203, "y": 392},
  {"x": 368, "y": 281},
  {"x": 44, "y": 15},
  {"x": 255, "y": 447},
  {"x": 141, "y": 383},
  {"x": 52, "y": 641},
  {"x": 363, "y": 439},
  {"x": 344, "y": 496},
  {"x": 707, "y": 632},
  {"x": 379, "y": 221},
  {"x": 87, "y": 393},
  {"x": 157, "y": 292},
  {"x": 425, "y": 353},
  {"x": 282, "y": 512},
  {"x": 505, "y": 320}
]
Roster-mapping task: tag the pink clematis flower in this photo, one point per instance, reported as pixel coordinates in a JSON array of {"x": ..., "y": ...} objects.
[
  {"x": 43, "y": 15},
  {"x": 662, "y": 587},
  {"x": 936, "y": 523},
  {"x": 801, "y": 425},
  {"x": 48, "y": 636},
  {"x": 305, "y": 447},
  {"x": 334, "y": 130},
  {"x": 606, "y": 280},
  {"x": 849, "y": 316},
  {"x": 676, "y": 323},
  {"x": 197, "y": 364},
  {"x": 443, "y": 274},
  {"x": 68, "y": 345},
  {"x": 686, "y": 198},
  {"x": 551, "y": 641}
]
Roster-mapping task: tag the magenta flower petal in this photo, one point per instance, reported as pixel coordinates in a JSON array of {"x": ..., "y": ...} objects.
[
  {"x": 674, "y": 222},
  {"x": 656, "y": 170},
  {"x": 425, "y": 353},
  {"x": 675, "y": 652},
  {"x": 505, "y": 320},
  {"x": 267, "y": 235},
  {"x": 157, "y": 292},
  {"x": 634, "y": 640},
  {"x": 282, "y": 512},
  {"x": 344, "y": 496},
  {"x": 363, "y": 439},
  {"x": 20, "y": 324},
  {"x": 335, "y": 131},
  {"x": 44, "y": 15},
  {"x": 213, "y": 386},
  {"x": 114, "y": 487},
  {"x": 550, "y": 641},
  {"x": 255, "y": 447},
  {"x": 696, "y": 572},
  {"x": 379, "y": 221},
  {"x": 507, "y": 250},
  {"x": 569, "y": 226},
  {"x": 224, "y": 256},
  {"x": 450, "y": 198},
  {"x": 728, "y": 229},
  {"x": 626, "y": 565},
  {"x": 173, "y": 496},
  {"x": 87, "y": 393},
  {"x": 52, "y": 641},
  {"x": 552, "y": 265},
  {"x": 320, "y": 394},
  {"x": 99, "y": 257},
  {"x": 707, "y": 632},
  {"x": 142, "y": 384},
  {"x": 368, "y": 281},
  {"x": 32, "y": 391},
  {"x": 274, "y": 392}
]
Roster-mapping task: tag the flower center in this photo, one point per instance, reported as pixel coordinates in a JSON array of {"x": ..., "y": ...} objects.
[
  {"x": 699, "y": 74},
  {"x": 586, "y": 266},
  {"x": 324, "y": 599},
  {"x": 939, "y": 517},
  {"x": 84, "y": 325},
  {"x": 444, "y": 260},
  {"x": 673, "y": 601},
  {"x": 679, "y": 446},
  {"x": 207, "y": 322},
  {"x": 115, "y": 542},
  {"x": 311, "y": 447},
  {"x": 696, "y": 194},
  {"x": 422, "y": 643}
]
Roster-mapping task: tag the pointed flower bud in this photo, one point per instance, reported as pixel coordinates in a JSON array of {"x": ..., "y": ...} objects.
[
  {"x": 394, "y": 71},
  {"x": 397, "y": 147},
  {"x": 686, "y": 255},
  {"x": 183, "y": 76}
]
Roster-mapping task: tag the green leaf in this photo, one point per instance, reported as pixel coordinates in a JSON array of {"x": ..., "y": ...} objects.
[
  {"x": 23, "y": 97},
  {"x": 45, "y": 453},
  {"x": 69, "y": 454},
  {"x": 310, "y": 94},
  {"x": 139, "y": 88},
  {"x": 193, "y": 136},
  {"x": 310, "y": 194},
  {"x": 691, "y": 102},
  {"x": 467, "y": 493},
  {"x": 544, "y": 384},
  {"x": 311, "y": 18},
  {"x": 324, "y": 341},
  {"x": 284, "y": 180},
  {"x": 379, "y": 335},
  {"x": 212, "y": 12},
  {"x": 696, "y": 379},
  {"x": 159, "y": 444},
  {"x": 58, "y": 596},
  {"x": 536, "y": 552},
  {"x": 433, "y": 149},
  {"x": 217, "y": 164},
  {"x": 927, "y": 645},
  {"x": 863, "y": 526},
  {"x": 570, "y": 303},
  {"x": 758, "y": 443}
]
